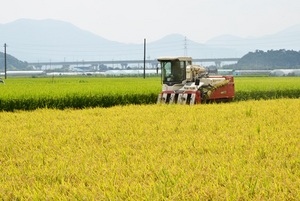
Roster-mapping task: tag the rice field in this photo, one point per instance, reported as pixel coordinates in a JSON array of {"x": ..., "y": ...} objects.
[
  {"x": 247, "y": 150},
  {"x": 86, "y": 92}
]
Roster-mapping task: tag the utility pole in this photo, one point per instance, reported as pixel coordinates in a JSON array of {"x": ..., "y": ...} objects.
[
  {"x": 144, "y": 58},
  {"x": 5, "y": 63}
]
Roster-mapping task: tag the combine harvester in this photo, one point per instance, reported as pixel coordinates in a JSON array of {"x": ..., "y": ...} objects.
[{"x": 185, "y": 83}]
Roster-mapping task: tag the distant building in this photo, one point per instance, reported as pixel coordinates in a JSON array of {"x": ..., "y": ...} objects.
[
  {"x": 225, "y": 71},
  {"x": 285, "y": 72}
]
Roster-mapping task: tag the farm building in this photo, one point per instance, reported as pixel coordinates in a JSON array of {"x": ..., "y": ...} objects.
[{"x": 225, "y": 71}]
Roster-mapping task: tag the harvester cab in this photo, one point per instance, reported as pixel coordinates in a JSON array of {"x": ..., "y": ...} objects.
[{"x": 185, "y": 83}]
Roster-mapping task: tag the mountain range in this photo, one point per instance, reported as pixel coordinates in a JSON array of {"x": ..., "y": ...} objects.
[{"x": 52, "y": 40}]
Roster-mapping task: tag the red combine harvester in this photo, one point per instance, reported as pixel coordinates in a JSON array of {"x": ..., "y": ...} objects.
[{"x": 185, "y": 83}]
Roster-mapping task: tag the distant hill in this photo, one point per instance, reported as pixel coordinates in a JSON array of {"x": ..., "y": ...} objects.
[
  {"x": 269, "y": 60},
  {"x": 45, "y": 40},
  {"x": 53, "y": 40},
  {"x": 288, "y": 39},
  {"x": 12, "y": 63}
]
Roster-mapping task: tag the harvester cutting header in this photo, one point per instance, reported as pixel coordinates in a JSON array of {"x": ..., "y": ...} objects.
[{"x": 185, "y": 83}]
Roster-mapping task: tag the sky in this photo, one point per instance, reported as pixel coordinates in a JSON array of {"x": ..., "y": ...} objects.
[{"x": 130, "y": 21}]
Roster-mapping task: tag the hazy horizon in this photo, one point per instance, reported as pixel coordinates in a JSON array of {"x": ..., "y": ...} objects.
[{"x": 131, "y": 21}]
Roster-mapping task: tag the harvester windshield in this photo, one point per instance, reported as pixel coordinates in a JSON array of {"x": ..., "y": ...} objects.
[{"x": 173, "y": 70}]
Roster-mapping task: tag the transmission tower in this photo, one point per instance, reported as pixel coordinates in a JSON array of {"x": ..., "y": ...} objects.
[{"x": 185, "y": 46}]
